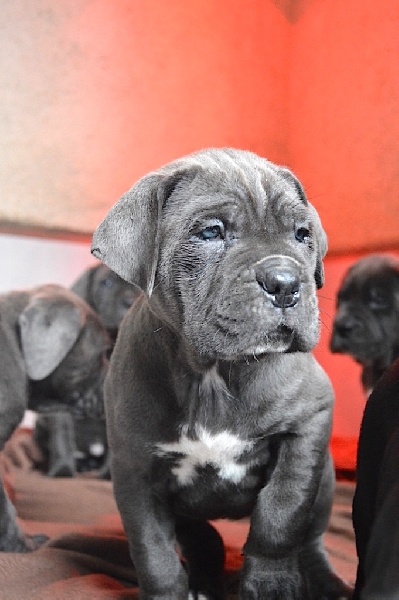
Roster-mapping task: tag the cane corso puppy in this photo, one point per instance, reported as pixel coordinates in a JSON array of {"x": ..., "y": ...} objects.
[
  {"x": 366, "y": 325},
  {"x": 215, "y": 405},
  {"x": 53, "y": 349},
  {"x": 81, "y": 434},
  {"x": 107, "y": 293},
  {"x": 111, "y": 297},
  {"x": 376, "y": 501}
]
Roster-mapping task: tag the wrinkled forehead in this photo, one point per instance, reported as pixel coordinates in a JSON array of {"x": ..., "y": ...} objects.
[{"x": 248, "y": 183}]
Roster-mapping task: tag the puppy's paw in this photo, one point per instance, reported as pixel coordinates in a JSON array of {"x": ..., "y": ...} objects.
[
  {"x": 272, "y": 579},
  {"x": 23, "y": 543},
  {"x": 330, "y": 589},
  {"x": 34, "y": 542},
  {"x": 61, "y": 469}
]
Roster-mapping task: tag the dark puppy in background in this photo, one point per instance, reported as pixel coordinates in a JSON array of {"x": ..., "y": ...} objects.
[
  {"x": 53, "y": 349},
  {"x": 215, "y": 406},
  {"x": 366, "y": 325},
  {"x": 108, "y": 294},
  {"x": 376, "y": 500},
  {"x": 111, "y": 297}
]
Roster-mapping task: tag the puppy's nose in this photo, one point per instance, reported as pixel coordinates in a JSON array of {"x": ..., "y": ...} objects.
[
  {"x": 128, "y": 299},
  {"x": 280, "y": 283},
  {"x": 346, "y": 326}
]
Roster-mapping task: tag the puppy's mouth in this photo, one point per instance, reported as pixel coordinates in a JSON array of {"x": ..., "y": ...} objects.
[{"x": 282, "y": 339}]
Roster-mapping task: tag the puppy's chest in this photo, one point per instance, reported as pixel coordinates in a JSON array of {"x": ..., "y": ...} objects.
[{"x": 221, "y": 455}]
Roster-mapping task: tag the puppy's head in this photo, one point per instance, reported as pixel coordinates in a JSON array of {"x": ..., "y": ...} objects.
[
  {"x": 63, "y": 344},
  {"x": 366, "y": 325},
  {"x": 229, "y": 249},
  {"x": 107, "y": 293}
]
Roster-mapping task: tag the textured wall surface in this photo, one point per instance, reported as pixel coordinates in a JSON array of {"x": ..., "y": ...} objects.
[
  {"x": 94, "y": 93},
  {"x": 344, "y": 118}
]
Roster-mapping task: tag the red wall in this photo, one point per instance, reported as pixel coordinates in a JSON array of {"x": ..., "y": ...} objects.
[{"x": 344, "y": 118}]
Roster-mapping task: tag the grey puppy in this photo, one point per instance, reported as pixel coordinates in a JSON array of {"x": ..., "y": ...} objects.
[
  {"x": 366, "y": 325},
  {"x": 107, "y": 293},
  {"x": 52, "y": 352},
  {"x": 215, "y": 406},
  {"x": 80, "y": 436}
]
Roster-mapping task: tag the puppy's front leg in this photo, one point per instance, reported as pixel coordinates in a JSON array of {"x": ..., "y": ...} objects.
[
  {"x": 283, "y": 514},
  {"x": 150, "y": 528}
]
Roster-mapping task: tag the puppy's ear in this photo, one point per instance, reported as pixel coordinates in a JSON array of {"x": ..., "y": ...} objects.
[
  {"x": 319, "y": 233},
  {"x": 322, "y": 246},
  {"x": 127, "y": 240},
  {"x": 49, "y": 328}
]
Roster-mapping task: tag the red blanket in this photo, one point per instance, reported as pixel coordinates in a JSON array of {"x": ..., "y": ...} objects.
[{"x": 87, "y": 554}]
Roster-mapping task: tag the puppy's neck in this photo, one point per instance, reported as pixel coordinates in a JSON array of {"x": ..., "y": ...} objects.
[{"x": 205, "y": 399}]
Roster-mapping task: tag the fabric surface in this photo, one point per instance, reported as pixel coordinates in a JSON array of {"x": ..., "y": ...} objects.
[{"x": 87, "y": 554}]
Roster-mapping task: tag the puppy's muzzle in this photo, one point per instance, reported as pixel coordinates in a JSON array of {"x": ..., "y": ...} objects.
[
  {"x": 279, "y": 278},
  {"x": 346, "y": 328}
]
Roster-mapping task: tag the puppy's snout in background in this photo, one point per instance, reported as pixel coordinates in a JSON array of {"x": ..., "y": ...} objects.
[
  {"x": 280, "y": 281},
  {"x": 128, "y": 298},
  {"x": 345, "y": 327}
]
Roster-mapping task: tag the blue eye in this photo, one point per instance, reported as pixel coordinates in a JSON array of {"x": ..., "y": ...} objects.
[
  {"x": 302, "y": 235},
  {"x": 212, "y": 233},
  {"x": 107, "y": 282}
]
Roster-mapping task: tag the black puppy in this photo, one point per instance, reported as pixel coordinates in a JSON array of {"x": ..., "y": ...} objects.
[
  {"x": 52, "y": 347},
  {"x": 376, "y": 501},
  {"x": 366, "y": 325}
]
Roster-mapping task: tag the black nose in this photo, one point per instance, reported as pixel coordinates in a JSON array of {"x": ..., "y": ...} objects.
[
  {"x": 280, "y": 283},
  {"x": 128, "y": 300},
  {"x": 346, "y": 326}
]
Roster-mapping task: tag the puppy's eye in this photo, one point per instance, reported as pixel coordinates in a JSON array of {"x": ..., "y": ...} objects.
[
  {"x": 107, "y": 282},
  {"x": 378, "y": 299},
  {"x": 302, "y": 234},
  {"x": 212, "y": 233}
]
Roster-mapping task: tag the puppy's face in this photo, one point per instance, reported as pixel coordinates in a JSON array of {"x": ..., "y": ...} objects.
[
  {"x": 366, "y": 325},
  {"x": 111, "y": 296},
  {"x": 237, "y": 257}
]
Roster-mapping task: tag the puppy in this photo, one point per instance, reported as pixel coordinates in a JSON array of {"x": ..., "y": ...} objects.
[
  {"x": 111, "y": 297},
  {"x": 376, "y": 500},
  {"x": 108, "y": 294},
  {"x": 52, "y": 353},
  {"x": 366, "y": 325},
  {"x": 74, "y": 440},
  {"x": 215, "y": 406},
  {"x": 78, "y": 438}
]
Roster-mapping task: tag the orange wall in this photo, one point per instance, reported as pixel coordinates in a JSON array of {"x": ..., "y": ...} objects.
[
  {"x": 344, "y": 118},
  {"x": 96, "y": 93}
]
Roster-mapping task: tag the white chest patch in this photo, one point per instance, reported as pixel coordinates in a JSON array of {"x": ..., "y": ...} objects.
[{"x": 220, "y": 450}]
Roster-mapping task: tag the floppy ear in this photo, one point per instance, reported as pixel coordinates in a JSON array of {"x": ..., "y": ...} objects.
[
  {"x": 322, "y": 246},
  {"x": 320, "y": 234},
  {"x": 49, "y": 328},
  {"x": 127, "y": 240}
]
